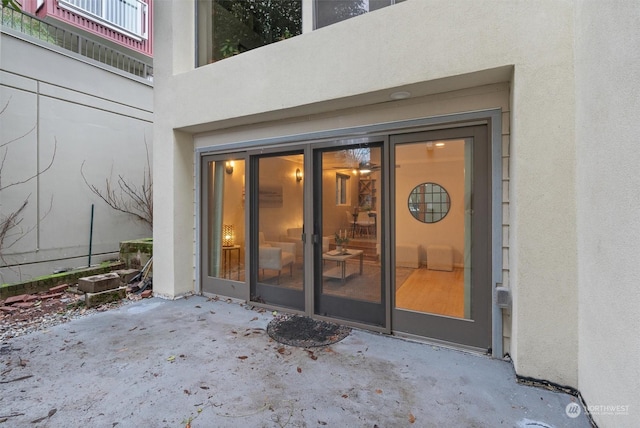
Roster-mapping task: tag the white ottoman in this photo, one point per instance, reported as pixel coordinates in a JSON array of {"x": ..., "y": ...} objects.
[
  {"x": 407, "y": 256},
  {"x": 440, "y": 257}
]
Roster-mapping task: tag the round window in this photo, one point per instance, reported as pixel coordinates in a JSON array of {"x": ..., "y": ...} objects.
[{"x": 429, "y": 202}]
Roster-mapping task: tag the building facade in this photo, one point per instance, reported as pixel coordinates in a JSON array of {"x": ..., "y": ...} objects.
[
  {"x": 459, "y": 147},
  {"x": 78, "y": 100}
]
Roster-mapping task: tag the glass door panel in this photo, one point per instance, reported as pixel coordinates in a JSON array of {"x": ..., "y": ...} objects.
[
  {"x": 432, "y": 216},
  {"x": 223, "y": 227},
  {"x": 349, "y": 274},
  {"x": 442, "y": 236},
  {"x": 279, "y": 251}
]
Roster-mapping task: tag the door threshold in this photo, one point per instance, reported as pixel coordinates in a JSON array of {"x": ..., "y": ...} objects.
[{"x": 442, "y": 343}]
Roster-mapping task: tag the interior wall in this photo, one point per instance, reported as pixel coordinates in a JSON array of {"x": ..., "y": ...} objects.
[
  {"x": 447, "y": 172},
  {"x": 274, "y": 221}
]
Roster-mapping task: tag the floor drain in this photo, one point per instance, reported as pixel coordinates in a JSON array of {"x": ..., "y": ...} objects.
[{"x": 298, "y": 330}]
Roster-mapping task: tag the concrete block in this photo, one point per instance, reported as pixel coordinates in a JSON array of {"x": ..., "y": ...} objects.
[
  {"x": 127, "y": 274},
  {"x": 95, "y": 299},
  {"x": 98, "y": 283}
]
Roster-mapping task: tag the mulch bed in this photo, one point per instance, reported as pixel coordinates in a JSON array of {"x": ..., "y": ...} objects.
[{"x": 301, "y": 331}]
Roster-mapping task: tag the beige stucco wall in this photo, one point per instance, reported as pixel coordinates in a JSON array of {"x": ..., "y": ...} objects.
[
  {"x": 607, "y": 129},
  {"x": 436, "y": 48}
]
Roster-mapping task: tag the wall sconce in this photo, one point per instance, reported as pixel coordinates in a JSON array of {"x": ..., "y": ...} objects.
[
  {"x": 227, "y": 235},
  {"x": 298, "y": 175},
  {"x": 229, "y": 167}
]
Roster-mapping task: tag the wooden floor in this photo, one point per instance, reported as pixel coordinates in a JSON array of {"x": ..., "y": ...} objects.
[{"x": 433, "y": 291}]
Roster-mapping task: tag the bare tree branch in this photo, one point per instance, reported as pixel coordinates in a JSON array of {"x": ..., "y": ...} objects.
[
  {"x": 10, "y": 222},
  {"x": 11, "y": 231},
  {"x": 26, "y": 180},
  {"x": 127, "y": 197},
  {"x": 17, "y": 138}
]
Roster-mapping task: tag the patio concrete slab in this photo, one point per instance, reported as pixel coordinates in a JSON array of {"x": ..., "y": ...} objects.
[{"x": 158, "y": 363}]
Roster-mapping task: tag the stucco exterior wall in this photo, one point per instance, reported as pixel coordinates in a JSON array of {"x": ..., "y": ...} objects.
[
  {"x": 607, "y": 129},
  {"x": 434, "y": 48},
  {"x": 86, "y": 114}
]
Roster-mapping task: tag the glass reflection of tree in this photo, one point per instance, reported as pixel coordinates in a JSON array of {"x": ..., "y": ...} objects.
[
  {"x": 243, "y": 25},
  {"x": 332, "y": 11}
]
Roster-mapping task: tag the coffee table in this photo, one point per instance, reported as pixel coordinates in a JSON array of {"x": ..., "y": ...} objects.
[{"x": 340, "y": 271}]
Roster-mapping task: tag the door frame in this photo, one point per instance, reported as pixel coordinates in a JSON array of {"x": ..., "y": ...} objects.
[
  {"x": 472, "y": 331},
  {"x": 370, "y": 317},
  {"x": 491, "y": 117},
  {"x": 222, "y": 286}
]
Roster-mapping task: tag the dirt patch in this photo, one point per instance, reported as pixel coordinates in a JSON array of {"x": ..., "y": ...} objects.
[
  {"x": 301, "y": 331},
  {"x": 27, "y": 313}
]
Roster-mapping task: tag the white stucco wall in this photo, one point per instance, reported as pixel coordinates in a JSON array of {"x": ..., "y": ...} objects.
[
  {"x": 433, "y": 47},
  {"x": 607, "y": 129},
  {"x": 85, "y": 113}
]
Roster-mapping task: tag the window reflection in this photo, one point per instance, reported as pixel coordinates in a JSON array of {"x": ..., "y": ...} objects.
[
  {"x": 229, "y": 27},
  {"x": 331, "y": 11}
]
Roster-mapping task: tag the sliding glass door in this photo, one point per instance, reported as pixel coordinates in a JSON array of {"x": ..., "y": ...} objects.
[
  {"x": 348, "y": 270},
  {"x": 277, "y": 251},
  {"x": 223, "y": 229},
  {"x": 442, "y": 236},
  {"x": 390, "y": 232}
]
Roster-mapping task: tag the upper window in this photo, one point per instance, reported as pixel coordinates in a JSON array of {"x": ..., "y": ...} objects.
[
  {"x": 126, "y": 16},
  {"x": 229, "y": 27},
  {"x": 329, "y": 12},
  {"x": 342, "y": 189}
]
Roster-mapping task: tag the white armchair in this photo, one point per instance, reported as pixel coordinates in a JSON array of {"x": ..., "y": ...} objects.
[{"x": 276, "y": 255}]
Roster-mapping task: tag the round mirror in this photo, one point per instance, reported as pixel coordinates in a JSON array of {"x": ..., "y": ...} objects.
[{"x": 429, "y": 202}]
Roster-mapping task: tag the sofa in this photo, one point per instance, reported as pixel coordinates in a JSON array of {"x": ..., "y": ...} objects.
[
  {"x": 294, "y": 235},
  {"x": 275, "y": 255}
]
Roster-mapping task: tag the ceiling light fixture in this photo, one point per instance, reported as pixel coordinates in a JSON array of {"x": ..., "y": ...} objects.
[{"x": 400, "y": 95}]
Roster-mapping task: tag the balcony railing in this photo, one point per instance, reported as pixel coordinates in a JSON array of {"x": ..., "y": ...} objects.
[
  {"x": 127, "y": 16},
  {"x": 74, "y": 42}
]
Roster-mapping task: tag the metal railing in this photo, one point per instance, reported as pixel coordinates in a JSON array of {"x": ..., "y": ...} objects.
[
  {"x": 128, "y": 16},
  {"x": 74, "y": 42}
]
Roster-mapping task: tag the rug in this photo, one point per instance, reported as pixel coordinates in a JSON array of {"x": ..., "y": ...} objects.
[{"x": 305, "y": 332}]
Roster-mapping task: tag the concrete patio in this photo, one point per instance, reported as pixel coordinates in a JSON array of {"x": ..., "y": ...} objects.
[{"x": 157, "y": 363}]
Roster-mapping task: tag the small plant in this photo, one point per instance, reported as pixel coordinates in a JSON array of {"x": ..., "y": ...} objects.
[{"x": 229, "y": 48}]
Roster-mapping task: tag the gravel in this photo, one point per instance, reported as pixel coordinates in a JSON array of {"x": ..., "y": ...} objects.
[{"x": 48, "y": 314}]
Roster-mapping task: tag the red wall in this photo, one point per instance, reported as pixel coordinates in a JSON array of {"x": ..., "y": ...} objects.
[{"x": 51, "y": 10}]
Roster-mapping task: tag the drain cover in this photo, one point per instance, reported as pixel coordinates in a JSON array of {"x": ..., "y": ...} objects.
[{"x": 298, "y": 330}]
